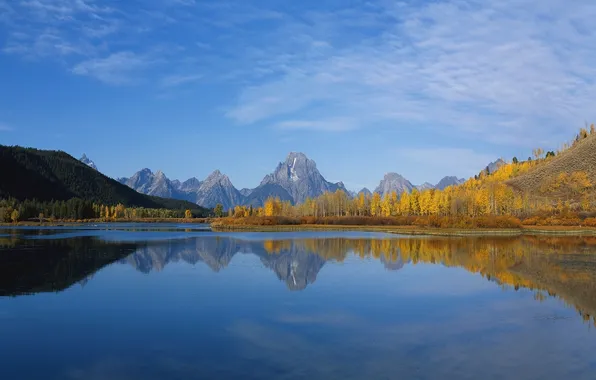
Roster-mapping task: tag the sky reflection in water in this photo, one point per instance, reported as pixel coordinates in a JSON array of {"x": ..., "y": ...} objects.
[{"x": 170, "y": 304}]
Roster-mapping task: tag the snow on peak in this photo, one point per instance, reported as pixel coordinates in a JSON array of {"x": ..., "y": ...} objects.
[
  {"x": 293, "y": 174},
  {"x": 84, "y": 159}
]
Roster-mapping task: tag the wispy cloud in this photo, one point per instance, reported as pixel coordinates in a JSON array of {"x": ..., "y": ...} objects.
[
  {"x": 507, "y": 72},
  {"x": 497, "y": 71},
  {"x": 178, "y": 80},
  {"x": 328, "y": 125},
  {"x": 116, "y": 69}
]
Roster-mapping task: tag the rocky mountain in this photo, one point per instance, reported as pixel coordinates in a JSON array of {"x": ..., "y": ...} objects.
[
  {"x": 258, "y": 196},
  {"x": 493, "y": 166},
  {"x": 449, "y": 181},
  {"x": 88, "y": 162},
  {"x": 294, "y": 180},
  {"x": 365, "y": 191},
  {"x": 425, "y": 186},
  {"x": 156, "y": 184},
  {"x": 394, "y": 182},
  {"x": 298, "y": 175},
  {"x": 190, "y": 185},
  {"x": 217, "y": 188}
]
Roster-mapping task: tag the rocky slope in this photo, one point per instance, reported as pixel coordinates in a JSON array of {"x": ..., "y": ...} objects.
[
  {"x": 299, "y": 176},
  {"x": 394, "y": 182},
  {"x": 449, "y": 181},
  {"x": 87, "y": 161},
  {"x": 218, "y": 189}
]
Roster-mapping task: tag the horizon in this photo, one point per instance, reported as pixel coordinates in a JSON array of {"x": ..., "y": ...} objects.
[
  {"x": 424, "y": 89},
  {"x": 201, "y": 178}
]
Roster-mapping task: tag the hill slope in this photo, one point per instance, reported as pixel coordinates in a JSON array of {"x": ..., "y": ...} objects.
[
  {"x": 53, "y": 175},
  {"x": 581, "y": 157}
]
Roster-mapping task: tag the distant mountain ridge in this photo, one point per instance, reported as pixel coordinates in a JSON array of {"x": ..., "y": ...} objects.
[
  {"x": 295, "y": 179},
  {"x": 396, "y": 182}
]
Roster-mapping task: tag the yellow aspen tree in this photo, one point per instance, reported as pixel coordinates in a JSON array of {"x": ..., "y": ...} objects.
[
  {"x": 386, "y": 205},
  {"x": 269, "y": 207},
  {"x": 425, "y": 202},
  {"x": 394, "y": 204},
  {"x": 375, "y": 205},
  {"x": 404, "y": 203},
  {"x": 415, "y": 202},
  {"x": 434, "y": 202}
]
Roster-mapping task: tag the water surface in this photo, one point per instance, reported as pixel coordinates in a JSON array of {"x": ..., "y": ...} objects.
[{"x": 182, "y": 302}]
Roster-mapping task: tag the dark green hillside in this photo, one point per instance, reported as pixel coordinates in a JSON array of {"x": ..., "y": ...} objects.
[{"x": 46, "y": 175}]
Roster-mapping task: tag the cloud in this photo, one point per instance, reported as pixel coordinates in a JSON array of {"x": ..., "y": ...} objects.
[
  {"x": 328, "y": 125},
  {"x": 116, "y": 69},
  {"x": 56, "y": 29},
  {"x": 469, "y": 67},
  {"x": 507, "y": 72},
  {"x": 177, "y": 80}
]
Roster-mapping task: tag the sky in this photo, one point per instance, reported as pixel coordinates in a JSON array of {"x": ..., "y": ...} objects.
[{"x": 422, "y": 88}]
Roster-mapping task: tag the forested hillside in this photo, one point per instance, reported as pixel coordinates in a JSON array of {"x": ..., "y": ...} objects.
[{"x": 54, "y": 175}]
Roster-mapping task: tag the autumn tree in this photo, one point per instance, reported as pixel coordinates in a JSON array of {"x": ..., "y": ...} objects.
[
  {"x": 375, "y": 204},
  {"x": 187, "y": 214},
  {"x": 218, "y": 211},
  {"x": 538, "y": 152},
  {"x": 15, "y": 215}
]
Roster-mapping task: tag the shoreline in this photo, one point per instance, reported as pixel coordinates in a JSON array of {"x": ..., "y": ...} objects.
[
  {"x": 408, "y": 230},
  {"x": 63, "y": 223},
  {"x": 398, "y": 230}
]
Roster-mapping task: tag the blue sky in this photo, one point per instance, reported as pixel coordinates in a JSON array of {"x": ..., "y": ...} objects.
[{"x": 425, "y": 89}]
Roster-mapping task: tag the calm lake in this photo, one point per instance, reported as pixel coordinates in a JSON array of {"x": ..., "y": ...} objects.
[{"x": 182, "y": 302}]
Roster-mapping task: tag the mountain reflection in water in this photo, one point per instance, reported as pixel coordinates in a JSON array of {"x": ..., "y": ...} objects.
[{"x": 562, "y": 267}]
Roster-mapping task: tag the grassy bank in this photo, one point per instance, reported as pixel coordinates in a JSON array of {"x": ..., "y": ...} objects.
[
  {"x": 408, "y": 230},
  {"x": 504, "y": 226}
]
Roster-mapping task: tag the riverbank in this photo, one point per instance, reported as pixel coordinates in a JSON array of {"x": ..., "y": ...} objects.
[
  {"x": 401, "y": 230},
  {"x": 60, "y": 223},
  {"x": 409, "y": 230}
]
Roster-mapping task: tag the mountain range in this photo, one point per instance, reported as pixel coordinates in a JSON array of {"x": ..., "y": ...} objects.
[
  {"x": 46, "y": 175},
  {"x": 295, "y": 179}
]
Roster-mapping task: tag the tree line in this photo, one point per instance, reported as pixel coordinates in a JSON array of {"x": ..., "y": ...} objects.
[
  {"x": 486, "y": 194},
  {"x": 13, "y": 211},
  {"x": 493, "y": 258}
]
